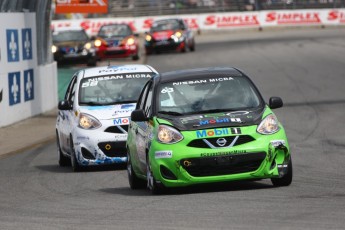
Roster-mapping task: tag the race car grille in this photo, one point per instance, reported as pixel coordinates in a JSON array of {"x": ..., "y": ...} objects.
[
  {"x": 223, "y": 165},
  {"x": 222, "y": 142},
  {"x": 114, "y": 52},
  {"x": 117, "y": 129},
  {"x": 113, "y": 149}
]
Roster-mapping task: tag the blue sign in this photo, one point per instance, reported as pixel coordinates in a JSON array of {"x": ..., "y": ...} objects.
[
  {"x": 12, "y": 45},
  {"x": 29, "y": 85},
  {"x": 14, "y": 88},
  {"x": 27, "y": 44}
]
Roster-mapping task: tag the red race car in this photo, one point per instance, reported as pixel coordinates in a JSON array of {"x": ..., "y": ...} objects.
[
  {"x": 169, "y": 34},
  {"x": 116, "y": 41}
]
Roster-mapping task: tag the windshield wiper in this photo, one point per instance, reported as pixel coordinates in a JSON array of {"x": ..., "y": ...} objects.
[
  {"x": 171, "y": 113},
  {"x": 91, "y": 103}
]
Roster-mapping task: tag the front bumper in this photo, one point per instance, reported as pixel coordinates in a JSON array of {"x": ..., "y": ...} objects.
[
  {"x": 265, "y": 157},
  {"x": 166, "y": 45},
  {"x": 74, "y": 57},
  {"x": 101, "y": 146},
  {"x": 117, "y": 52}
]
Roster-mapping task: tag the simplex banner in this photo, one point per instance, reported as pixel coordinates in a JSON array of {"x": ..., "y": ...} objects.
[{"x": 220, "y": 21}]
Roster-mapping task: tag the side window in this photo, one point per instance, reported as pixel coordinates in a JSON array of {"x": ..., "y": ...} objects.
[
  {"x": 183, "y": 25},
  {"x": 148, "y": 102},
  {"x": 72, "y": 94},
  {"x": 143, "y": 95},
  {"x": 70, "y": 87}
]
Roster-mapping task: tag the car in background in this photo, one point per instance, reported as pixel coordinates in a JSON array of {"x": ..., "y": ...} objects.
[
  {"x": 117, "y": 41},
  {"x": 169, "y": 34},
  {"x": 73, "y": 46},
  {"x": 93, "y": 117},
  {"x": 205, "y": 125}
]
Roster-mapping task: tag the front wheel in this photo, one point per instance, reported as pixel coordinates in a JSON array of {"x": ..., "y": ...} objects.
[
  {"x": 151, "y": 181},
  {"x": 134, "y": 181},
  {"x": 74, "y": 162},
  {"x": 63, "y": 160},
  {"x": 286, "y": 179}
]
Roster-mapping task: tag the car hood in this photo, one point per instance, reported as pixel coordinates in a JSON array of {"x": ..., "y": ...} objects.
[
  {"x": 109, "y": 111},
  {"x": 114, "y": 40},
  {"x": 162, "y": 35},
  {"x": 70, "y": 43},
  {"x": 216, "y": 120}
]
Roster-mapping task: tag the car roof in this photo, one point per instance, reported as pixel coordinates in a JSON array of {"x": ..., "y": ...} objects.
[
  {"x": 168, "y": 19},
  {"x": 117, "y": 69},
  {"x": 200, "y": 73},
  {"x": 72, "y": 28}
]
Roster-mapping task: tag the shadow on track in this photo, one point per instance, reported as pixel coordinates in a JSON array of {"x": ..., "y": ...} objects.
[
  {"x": 204, "y": 188},
  {"x": 98, "y": 168}
]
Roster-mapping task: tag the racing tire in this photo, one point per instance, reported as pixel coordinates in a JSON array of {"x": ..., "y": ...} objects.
[
  {"x": 136, "y": 57},
  {"x": 74, "y": 162},
  {"x": 92, "y": 62},
  {"x": 152, "y": 185},
  {"x": 286, "y": 179},
  {"x": 192, "y": 47},
  {"x": 63, "y": 160},
  {"x": 134, "y": 181},
  {"x": 183, "y": 50}
]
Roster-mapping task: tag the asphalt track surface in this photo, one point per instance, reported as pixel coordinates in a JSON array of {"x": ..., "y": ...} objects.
[{"x": 305, "y": 67}]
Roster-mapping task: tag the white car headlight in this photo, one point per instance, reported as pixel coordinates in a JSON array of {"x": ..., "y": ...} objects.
[
  {"x": 87, "y": 121},
  {"x": 88, "y": 46},
  {"x": 54, "y": 49},
  {"x": 168, "y": 135},
  {"x": 269, "y": 125}
]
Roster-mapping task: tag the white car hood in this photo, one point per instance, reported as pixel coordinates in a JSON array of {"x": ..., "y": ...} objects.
[{"x": 109, "y": 111}]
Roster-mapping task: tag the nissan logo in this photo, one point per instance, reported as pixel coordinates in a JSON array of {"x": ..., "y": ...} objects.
[{"x": 221, "y": 142}]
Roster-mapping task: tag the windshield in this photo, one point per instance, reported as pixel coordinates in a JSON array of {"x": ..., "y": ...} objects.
[
  {"x": 70, "y": 35},
  {"x": 110, "y": 31},
  {"x": 207, "y": 95},
  {"x": 114, "y": 89},
  {"x": 165, "y": 25}
]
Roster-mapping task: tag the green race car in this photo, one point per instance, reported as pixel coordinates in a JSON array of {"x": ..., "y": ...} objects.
[{"x": 202, "y": 126}]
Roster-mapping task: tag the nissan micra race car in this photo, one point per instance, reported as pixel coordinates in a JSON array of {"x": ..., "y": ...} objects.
[
  {"x": 93, "y": 117},
  {"x": 203, "y": 126}
]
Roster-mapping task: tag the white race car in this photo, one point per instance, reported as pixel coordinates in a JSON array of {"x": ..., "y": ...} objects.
[{"x": 93, "y": 117}]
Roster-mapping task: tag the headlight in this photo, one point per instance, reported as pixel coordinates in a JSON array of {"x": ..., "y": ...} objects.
[
  {"x": 88, "y": 46},
  {"x": 177, "y": 36},
  {"x": 54, "y": 49},
  {"x": 269, "y": 125},
  {"x": 88, "y": 122},
  {"x": 168, "y": 135},
  {"x": 98, "y": 43},
  {"x": 130, "y": 41},
  {"x": 148, "y": 37}
]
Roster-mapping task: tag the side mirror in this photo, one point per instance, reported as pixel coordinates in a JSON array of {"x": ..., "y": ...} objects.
[
  {"x": 275, "y": 102},
  {"x": 64, "y": 105},
  {"x": 138, "y": 115}
]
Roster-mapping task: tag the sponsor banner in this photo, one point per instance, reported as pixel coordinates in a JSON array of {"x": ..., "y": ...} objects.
[
  {"x": 220, "y": 21},
  {"x": 230, "y": 20},
  {"x": 335, "y": 17},
  {"x": 91, "y": 26},
  {"x": 291, "y": 17},
  {"x": 81, "y": 6}
]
